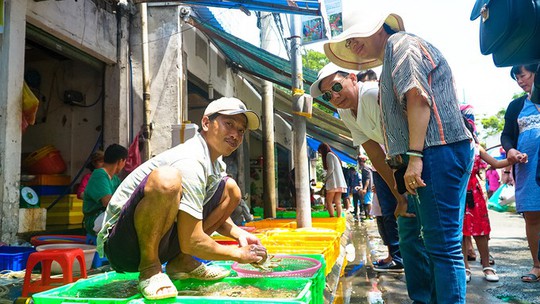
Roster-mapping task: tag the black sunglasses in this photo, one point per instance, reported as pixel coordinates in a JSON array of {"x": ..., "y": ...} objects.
[{"x": 336, "y": 87}]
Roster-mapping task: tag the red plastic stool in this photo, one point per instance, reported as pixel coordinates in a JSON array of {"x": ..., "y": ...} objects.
[{"x": 65, "y": 257}]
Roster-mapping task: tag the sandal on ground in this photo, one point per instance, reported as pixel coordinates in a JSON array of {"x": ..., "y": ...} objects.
[
  {"x": 490, "y": 277},
  {"x": 202, "y": 272},
  {"x": 149, "y": 288},
  {"x": 467, "y": 275},
  {"x": 530, "y": 277}
]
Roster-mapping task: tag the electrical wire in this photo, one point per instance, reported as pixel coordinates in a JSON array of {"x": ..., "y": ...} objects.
[{"x": 279, "y": 25}]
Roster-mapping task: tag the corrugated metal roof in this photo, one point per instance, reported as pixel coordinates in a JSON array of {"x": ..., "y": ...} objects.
[{"x": 253, "y": 60}]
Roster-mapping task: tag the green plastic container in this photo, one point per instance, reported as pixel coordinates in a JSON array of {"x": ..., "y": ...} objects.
[
  {"x": 318, "y": 280},
  {"x": 76, "y": 292}
]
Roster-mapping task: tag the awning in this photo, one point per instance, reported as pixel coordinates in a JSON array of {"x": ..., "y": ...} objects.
[
  {"x": 314, "y": 144},
  {"x": 251, "y": 59},
  {"x": 300, "y": 7}
]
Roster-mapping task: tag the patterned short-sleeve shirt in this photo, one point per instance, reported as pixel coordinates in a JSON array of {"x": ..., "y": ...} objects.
[{"x": 412, "y": 63}]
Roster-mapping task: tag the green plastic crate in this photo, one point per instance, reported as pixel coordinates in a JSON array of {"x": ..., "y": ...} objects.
[
  {"x": 318, "y": 280},
  {"x": 286, "y": 214},
  {"x": 258, "y": 211},
  {"x": 68, "y": 293}
]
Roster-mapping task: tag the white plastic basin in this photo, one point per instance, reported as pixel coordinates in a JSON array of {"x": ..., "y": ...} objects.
[{"x": 89, "y": 252}]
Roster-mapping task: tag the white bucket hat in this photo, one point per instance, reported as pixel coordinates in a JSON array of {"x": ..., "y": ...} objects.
[
  {"x": 326, "y": 71},
  {"x": 357, "y": 24}
]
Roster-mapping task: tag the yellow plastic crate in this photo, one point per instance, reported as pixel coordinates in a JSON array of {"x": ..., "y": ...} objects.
[
  {"x": 67, "y": 211},
  {"x": 284, "y": 249},
  {"x": 271, "y": 223}
]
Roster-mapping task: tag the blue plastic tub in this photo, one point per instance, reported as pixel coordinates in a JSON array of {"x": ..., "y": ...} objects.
[{"x": 14, "y": 257}]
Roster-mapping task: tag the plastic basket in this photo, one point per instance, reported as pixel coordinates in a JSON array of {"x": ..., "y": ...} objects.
[
  {"x": 14, "y": 257},
  {"x": 57, "y": 239},
  {"x": 289, "y": 266}
]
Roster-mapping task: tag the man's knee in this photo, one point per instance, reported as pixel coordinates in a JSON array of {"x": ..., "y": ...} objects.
[
  {"x": 233, "y": 191},
  {"x": 165, "y": 181}
]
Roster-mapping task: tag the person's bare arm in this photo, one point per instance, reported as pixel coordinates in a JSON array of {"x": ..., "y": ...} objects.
[
  {"x": 377, "y": 156},
  {"x": 194, "y": 241},
  {"x": 495, "y": 163},
  {"x": 418, "y": 114},
  {"x": 105, "y": 200}
]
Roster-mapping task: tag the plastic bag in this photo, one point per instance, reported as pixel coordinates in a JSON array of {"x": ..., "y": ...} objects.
[
  {"x": 493, "y": 202},
  {"x": 508, "y": 195},
  {"x": 30, "y": 105},
  {"x": 134, "y": 155}
]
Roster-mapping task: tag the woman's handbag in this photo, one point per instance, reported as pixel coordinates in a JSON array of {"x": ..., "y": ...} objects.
[{"x": 510, "y": 30}]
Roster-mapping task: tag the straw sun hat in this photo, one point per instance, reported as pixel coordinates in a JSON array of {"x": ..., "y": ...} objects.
[{"x": 363, "y": 23}]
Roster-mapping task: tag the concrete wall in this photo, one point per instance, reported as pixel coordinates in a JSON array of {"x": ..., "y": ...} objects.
[
  {"x": 11, "y": 76},
  {"x": 80, "y": 23}
]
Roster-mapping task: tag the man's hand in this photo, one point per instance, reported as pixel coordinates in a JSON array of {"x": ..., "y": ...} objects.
[
  {"x": 401, "y": 208},
  {"x": 413, "y": 175},
  {"x": 252, "y": 254},
  {"x": 247, "y": 239}
]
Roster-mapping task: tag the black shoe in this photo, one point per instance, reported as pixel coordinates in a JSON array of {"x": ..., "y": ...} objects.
[{"x": 389, "y": 267}]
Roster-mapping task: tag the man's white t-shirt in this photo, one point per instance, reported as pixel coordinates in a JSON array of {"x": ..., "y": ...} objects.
[
  {"x": 367, "y": 124},
  {"x": 200, "y": 179}
]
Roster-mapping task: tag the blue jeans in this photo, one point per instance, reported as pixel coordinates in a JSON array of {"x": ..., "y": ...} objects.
[
  {"x": 431, "y": 243},
  {"x": 389, "y": 229}
]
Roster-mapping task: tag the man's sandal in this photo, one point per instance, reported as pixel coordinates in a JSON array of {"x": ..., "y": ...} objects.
[
  {"x": 149, "y": 288},
  {"x": 530, "y": 277},
  {"x": 202, "y": 272}
]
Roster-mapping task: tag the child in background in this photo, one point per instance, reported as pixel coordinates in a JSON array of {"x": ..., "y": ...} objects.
[
  {"x": 96, "y": 162},
  {"x": 493, "y": 180}
]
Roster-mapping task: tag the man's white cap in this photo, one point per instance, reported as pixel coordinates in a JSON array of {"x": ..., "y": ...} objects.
[
  {"x": 233, "y": 106},
  {"x": 327, "y": 70}
]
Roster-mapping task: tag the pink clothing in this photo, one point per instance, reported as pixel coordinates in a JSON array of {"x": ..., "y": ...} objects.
[
  {"x": 493, "y": 179},
  {"x": 82, "y": 185}
]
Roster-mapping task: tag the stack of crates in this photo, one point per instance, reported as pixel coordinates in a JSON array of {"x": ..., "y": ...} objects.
[
  {"x": 49, "y": 184},
  {"x": 67, "y": 212},
  {"x": 326, "y": 243}
]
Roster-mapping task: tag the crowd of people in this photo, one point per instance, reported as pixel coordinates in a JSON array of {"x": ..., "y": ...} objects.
[
  {"x": 423, "y": 189},
  {"x": 424, "y": 151}
]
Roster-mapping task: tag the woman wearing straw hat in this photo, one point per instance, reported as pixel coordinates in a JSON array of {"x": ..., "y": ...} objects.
[{"x": 424, "y": 131}]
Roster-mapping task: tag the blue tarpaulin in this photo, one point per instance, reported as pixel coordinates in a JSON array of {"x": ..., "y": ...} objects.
[{"x": 314, "y": 144}]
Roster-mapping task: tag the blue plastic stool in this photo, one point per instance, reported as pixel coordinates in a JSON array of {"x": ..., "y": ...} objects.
[{"x": 97, "y": 262}]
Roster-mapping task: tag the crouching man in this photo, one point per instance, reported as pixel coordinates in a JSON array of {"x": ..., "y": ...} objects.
[{"x": 166, "y": 209}]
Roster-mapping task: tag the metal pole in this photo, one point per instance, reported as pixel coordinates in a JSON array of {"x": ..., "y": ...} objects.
[
  {"x": 269, "y": 173},
  {"x": 147, "y": 131},
  {"x": 303, "y": 204}
]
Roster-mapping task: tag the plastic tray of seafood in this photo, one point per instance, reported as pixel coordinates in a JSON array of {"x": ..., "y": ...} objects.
[{"x": 112, "y": 287}]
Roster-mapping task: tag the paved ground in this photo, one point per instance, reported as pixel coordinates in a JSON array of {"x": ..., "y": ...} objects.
[{"x": 508, "y": 246}]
